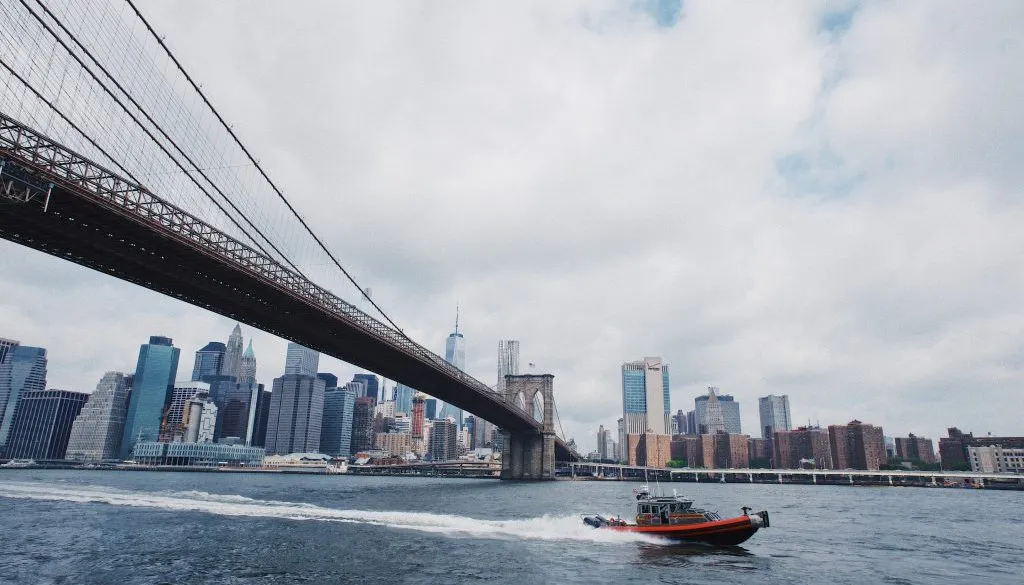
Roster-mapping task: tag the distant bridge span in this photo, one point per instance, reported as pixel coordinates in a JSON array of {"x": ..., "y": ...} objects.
[{"x": 57, "y": 201}]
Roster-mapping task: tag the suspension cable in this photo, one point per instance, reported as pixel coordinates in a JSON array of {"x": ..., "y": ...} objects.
[
  {"x": 155, "y": 125},
  {"x": 259, "y": 168}
]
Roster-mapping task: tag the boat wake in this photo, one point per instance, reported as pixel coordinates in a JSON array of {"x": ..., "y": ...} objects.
[{"x": 539, "y": 528}]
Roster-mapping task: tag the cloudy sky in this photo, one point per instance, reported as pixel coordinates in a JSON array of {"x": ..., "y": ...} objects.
[{"x": 816, "y": 199}]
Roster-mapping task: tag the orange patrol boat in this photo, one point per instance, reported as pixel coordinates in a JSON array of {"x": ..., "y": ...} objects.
[{"x": 675, "y": 518}]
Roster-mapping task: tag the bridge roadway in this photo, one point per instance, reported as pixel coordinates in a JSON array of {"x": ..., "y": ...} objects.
[{"x": 56, "y": 201}]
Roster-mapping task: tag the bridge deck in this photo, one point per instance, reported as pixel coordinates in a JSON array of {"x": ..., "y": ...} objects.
[{"x": 97, "y": 219}]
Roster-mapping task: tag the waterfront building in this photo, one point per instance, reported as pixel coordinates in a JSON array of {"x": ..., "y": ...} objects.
[
  {"x": 258, "y": 434},
  {"x": 336, "y": 428},
  {"x": 5, "y": 347},
  {"x": 96, "y": 432},
  {"x": 856, "y": 445},
  {"x": 805, "y": 447},
  {"x": 996, "y": 459},
  {"x": 397, "y": 444},
  {"x": 372, "y": 386},
  {"x": 418, "y": 415},
  {"x": 232, "y": 365},
  {"x": 200, "y": 415},
  {"x": 687, "y": 448},
  {"x": 430, "y": 408},
  {"x": 23, "y": 370},
  {"x": 508, "y": 362},
  {"x": 247, "y": 367},
  {"x": 301, "y": 361},
  {"x": 209, "y": 361},
  {"x": 953, "y": 449},
  {"x": 172, "y": 427},
  {"x": 723, "y": 417},
  {"x": 296, "y": 414},
  {"x": 444, "y": 440},
  {"x": 726, "y": 451},
  {"x": 362, "y": 424},
  {"x": 759, "y": 451},
  {"x": 645, "y": 397},
  {"x": 648, "y": 449},
  {"x": 42, "y": 424},
  {"x": 914, "y": 448},
  {"x": 197, "y": 454},
  {"x": 403, "y": 398},
  {"x": 155, "y": 371}
]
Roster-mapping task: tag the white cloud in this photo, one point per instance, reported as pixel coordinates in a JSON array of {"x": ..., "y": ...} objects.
[{"x": 769, "y": 205}]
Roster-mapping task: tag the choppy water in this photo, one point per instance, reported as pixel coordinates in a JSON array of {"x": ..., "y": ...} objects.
[{"x": 128, "y": 528}]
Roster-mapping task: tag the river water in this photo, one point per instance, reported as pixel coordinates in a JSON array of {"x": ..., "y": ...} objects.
[{"x": 123, "y": 528}]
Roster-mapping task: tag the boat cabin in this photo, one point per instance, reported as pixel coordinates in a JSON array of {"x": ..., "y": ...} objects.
[{"x": 666, "y": 510}]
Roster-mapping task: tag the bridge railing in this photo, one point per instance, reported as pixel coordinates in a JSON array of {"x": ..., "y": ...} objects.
[{"x": 63, "y": 166}]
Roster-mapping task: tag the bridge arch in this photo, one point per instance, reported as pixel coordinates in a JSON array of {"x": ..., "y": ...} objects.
[{"x": 530, "y": 454}]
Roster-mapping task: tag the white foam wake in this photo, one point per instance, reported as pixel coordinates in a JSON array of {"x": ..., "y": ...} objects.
[{"x": 542, "y": 528}]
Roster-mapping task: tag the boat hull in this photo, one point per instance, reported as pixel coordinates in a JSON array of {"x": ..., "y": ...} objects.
[{"x": 728, "y": 532}]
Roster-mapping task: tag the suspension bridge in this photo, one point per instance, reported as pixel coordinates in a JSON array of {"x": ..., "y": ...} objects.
[{"x": 113, "y": 157}]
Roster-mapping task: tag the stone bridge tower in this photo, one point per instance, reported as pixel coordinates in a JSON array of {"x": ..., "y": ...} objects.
[{"x": 530, "y": 454}]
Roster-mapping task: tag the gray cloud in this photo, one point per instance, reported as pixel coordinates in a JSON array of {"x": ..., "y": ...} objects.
[{"x": 773, "y": 200}]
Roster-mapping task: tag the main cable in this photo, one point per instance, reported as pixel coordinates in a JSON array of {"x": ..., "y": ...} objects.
[
  {"x": 150, "y": 134},
  {"x": 259, "y": 168}
]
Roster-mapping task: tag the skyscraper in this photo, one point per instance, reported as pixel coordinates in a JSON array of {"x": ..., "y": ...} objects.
[
  {"x": 336, "y": 429},
  {"x": 645, "y": 396},
  {"x": 233, "y": 354},
  {"x": 42, "y": 423},
  {"x": 247, "y": 366},
  {"x": 296, "y": 414},
  {"x": 730, "y": 412},
  {"x": 444, "y": 438},
  {"x": 774, "y": 414},
  {"x": 261, "y": 412},
  {"x": 96, "y": 433},
  {"x": 430, "y": 408},
  {"x": 455, "y": 354},
  {"x": 403, "y": 398},
  {"x": 362, "y": 424},
  {"x": 5, "y": 347},
  {"x": 330, "y": 380},
  {"x": 679, "y": 423},
  {"x": 372, "y": 386},
  {"x": 23, "y": 370},
  {"x": 234, "y": 408},
  {"x": 209, "y": 361},
  {"x": 418, "y": 414},
  {"x": 714, "y": 419},
  {"x": 172, "y": 428},
  {"x": 154, "y": 378},
  {"x": 508, "y": 361},
  {"x": 301, "y": 361},
  {"x": 774, "y": 411}
]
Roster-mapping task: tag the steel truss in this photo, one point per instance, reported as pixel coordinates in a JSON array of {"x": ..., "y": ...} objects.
[{"x": 33, "y": 163}]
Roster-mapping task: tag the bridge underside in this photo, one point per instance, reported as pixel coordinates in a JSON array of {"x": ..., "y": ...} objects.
[{"x": 116, "y": 242}]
